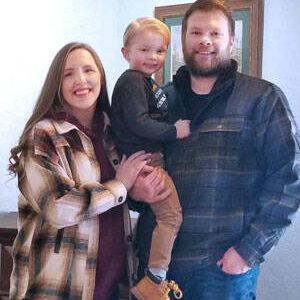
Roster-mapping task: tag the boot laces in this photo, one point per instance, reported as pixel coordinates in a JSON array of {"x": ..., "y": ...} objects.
[
  {"x": 166, "y": 290},
  {"x": 176, "y": 290}
]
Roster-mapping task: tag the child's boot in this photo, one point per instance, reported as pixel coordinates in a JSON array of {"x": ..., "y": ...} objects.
[{"x": 147, "y": 289}]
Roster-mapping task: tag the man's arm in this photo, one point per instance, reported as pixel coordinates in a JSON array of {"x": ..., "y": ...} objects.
[{"x": 278, "y": 149}]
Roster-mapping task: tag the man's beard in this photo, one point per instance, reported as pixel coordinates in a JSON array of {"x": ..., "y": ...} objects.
[{"x": 221, "y": 64}]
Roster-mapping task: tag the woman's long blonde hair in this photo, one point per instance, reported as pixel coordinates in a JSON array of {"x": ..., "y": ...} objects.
[{"x": 50, "y": 103}]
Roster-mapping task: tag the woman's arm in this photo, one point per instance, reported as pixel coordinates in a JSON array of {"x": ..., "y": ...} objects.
[{"x": 51, "y": 192}]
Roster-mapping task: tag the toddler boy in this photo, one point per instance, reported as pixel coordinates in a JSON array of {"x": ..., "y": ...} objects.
[{"x": 139, "y": 122}]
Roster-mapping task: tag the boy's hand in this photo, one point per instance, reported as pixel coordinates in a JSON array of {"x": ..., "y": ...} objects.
[{"x": 182, "y": 128}]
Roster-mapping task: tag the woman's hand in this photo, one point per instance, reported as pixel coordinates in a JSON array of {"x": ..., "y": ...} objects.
[
  {"x": 129, "y": 168},
  {"x": 150, "y": 186}
]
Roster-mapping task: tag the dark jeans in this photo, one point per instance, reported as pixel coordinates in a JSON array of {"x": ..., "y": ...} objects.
[{"x": 212, "y": 283}]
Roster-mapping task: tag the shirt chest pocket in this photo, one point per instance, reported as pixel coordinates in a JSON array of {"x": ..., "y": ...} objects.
[{"x": 219, "y": 143}]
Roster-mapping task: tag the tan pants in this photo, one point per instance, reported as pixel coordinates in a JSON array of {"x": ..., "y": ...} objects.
[{"x": 168, "y": 216}]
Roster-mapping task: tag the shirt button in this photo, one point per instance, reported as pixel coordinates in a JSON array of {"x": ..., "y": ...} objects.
[
  {"x": 115, "y": 162},
  {"x": 120, "y": 199}
]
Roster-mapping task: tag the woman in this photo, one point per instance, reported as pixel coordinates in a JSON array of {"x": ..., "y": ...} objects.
[{"x": 70, "y": 242}]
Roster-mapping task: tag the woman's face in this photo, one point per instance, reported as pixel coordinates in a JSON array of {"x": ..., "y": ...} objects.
[{"x": 81, "y": 82}]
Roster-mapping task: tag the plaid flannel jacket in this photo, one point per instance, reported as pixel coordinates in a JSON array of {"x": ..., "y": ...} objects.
[
  {"x": 55, "y": 251},
  {"x": 237, "y": 174}
]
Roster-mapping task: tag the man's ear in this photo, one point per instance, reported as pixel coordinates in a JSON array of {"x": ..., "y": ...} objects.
[{"x": 125, "y": 53}]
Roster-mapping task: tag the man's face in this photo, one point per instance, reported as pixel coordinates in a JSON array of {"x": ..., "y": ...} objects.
[{"x": 207, "y": 43}]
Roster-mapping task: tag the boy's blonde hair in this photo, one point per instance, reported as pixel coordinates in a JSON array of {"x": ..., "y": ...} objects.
[{"x": 146, "y": 24}]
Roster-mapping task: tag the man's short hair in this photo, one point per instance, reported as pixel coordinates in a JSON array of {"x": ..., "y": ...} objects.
[
  {"x": 146, "y": 24},
  {"x": 209, "y": 5}
]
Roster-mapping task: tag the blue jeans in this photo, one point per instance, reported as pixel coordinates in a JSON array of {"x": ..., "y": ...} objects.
[{"x": 212, "y": 283}]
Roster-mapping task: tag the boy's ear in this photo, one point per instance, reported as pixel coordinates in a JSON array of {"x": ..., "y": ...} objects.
[{"x": 125, "y": 53}]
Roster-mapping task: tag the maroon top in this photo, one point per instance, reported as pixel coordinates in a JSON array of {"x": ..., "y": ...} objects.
[{"x": 111, "y": 263}]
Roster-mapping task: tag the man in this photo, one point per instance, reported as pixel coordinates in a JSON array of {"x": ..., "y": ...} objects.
[{"x": 236, "y": 175}]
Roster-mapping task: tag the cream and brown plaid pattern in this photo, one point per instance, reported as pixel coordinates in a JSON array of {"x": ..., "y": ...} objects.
[{"x": 56, "y": 248}]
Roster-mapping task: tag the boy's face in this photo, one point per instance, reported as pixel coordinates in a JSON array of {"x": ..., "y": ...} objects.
[{"x": 146, "y": 52}]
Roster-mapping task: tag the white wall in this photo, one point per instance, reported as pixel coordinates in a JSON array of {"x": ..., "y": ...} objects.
[
  {"x": 281, "y": 63},
  {"x": 32, "y": 31}
]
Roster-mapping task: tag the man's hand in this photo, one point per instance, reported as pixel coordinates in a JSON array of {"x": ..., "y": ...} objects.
[
  {"x": 150, "y": 187},
  {"x": 233, "y": 263}
]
